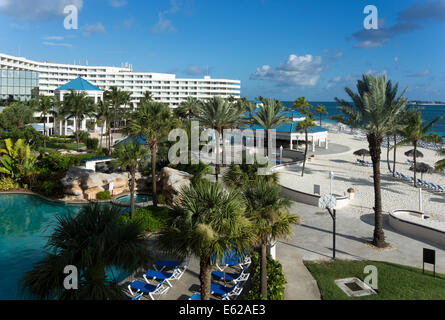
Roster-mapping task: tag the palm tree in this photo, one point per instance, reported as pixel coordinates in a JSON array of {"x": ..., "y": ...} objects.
[
  {"x": 303, "y": 106},
  {"x": 416, "y": 130},
  {"x": 394, "y": 131},
  {"x": 128, "y": 157},
  {"x": 375, "y": 109},
  {"x": 209, "y": 222},
  {"x": 249, "y": 108},
  {"x": 440, "y": 165},
  {"x": 320, "y": 110},
  {"x": 270, "y": 116},
  {"x": 117, "y": 98},
  {"x": 103, "y": 116},
  {"x": 269, "y": 213},
  {"x": 218, "y": 114},
  {"x": 153, "y": 120},
  {"x": 148, "y": 96},
  {"x": 79, "y": 106},
  {"x": 93, "y": 241},
  {"x": 304, "y": 126},
  {"x": 187, "y": 109},
  {"x": 45, "y": 106}
]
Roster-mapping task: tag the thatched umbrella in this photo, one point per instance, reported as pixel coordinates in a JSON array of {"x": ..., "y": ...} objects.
[
  {"x": 362, "y": 153},
  {"x": 411, "y": 154},
  {"x": 422, "y": 168}
]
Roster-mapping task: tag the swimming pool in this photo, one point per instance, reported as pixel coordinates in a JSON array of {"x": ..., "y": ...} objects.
[
  {"x": 25, "y": 223},
  {"x": 138, "y": 199}
]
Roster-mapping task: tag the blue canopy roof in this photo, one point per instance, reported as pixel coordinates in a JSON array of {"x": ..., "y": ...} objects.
[
  {"x": 78, "y": 84},
  {"x": 290, "y": 128}
]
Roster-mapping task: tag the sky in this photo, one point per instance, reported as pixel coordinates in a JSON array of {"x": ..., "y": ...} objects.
[{"x": 277, "y": 48}]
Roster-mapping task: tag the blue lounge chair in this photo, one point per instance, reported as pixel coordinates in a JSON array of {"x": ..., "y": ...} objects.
[
  {"x": 162, "y": 275},
  {"x": 231, "y": 277},
  {"x": 149, "y": 289},
  {"x": 196, "y": 296},
  {"x": 226, "y": 292}
]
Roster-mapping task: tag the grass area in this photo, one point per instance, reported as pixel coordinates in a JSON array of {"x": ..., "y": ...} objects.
[
  {"x": 65, "y": 146},
  {"x": 395, "y": 282}
]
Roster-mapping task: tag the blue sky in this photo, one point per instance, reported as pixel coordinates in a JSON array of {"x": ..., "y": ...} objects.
[{"x": 277, "y": 48}]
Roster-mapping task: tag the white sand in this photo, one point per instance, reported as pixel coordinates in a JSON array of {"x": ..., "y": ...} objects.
[{"x": 396, "y": 194}]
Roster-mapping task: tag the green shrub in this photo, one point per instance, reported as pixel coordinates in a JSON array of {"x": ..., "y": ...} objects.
[
  {"x": 104, "y": 195},
  {"x": 92, "y": 144},
  {"x": 162, "y": 199},
  {"x": 275, "y": 279},
  {"x": 7, "y": 183},
  {"x": 83, "y": 136},
  {"x": 51, "y": 188},
  {"x": 151, "y": 219}
]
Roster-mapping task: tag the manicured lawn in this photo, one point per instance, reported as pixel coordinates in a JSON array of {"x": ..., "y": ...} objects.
[{"x": 395, "y": 282}]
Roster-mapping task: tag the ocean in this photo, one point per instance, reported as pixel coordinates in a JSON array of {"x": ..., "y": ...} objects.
[{"x": 429, "y": 113}]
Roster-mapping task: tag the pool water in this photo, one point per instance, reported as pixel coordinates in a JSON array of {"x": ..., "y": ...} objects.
[
  {"x": 26, "y": 221},
  {"x": 138, "y": 198}
]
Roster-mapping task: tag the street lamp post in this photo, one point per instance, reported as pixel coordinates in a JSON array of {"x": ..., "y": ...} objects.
[{"x": 331, "y": 175}]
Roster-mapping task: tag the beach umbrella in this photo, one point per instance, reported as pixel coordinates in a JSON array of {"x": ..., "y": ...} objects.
[
  {"x": 362, "y": 153},
  {"x": 422, "y": 168},
  {"x": 411, "y": 154}
]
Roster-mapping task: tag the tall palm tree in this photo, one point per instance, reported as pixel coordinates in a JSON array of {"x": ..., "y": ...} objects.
[
  {"x": 209, "y": 222},
  {"x": 393, "y": 132},
  {"x": 93, "y": 241},
  {"x": 103, "y": 116},
  {"x": 375, "y": 109},
  {"x": 270, "y": 116},
  {"x": 303, "y": 106},
  {"x": 304, "y": 126},
  {"x": 148, "y": 96},
  {"x": 152, "y": 120},
  {"x": 218, "y": 114},
  {"x": 79, "y": 106},
  {"x": 45, "y": 106},
  {"x": 129, "y": 156},
  {"x": 321, "y": 110},
  {"x": 416, "y": 130},
  {"x": 249, "y": 108},
  {"x": 118, "y": 100},
  {"x": 271, "y": 219}
]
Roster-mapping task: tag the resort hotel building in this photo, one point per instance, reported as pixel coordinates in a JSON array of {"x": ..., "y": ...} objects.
[{"x": 22, "y": 79}]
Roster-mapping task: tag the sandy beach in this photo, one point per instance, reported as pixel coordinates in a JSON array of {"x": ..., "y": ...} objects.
[{"x": 396, "y": 194}]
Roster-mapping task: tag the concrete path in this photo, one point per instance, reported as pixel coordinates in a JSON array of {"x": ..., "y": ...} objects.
[{"x": 300, "y": 283}]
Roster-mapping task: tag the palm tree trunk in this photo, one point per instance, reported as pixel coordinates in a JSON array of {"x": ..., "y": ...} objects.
[
  {"x": 305, "y": 152},
  {"x": 387, "y": 154},
  {"x": 395, "y": 155},
  {"x": 415, "y": 164},
  {"x": 101, "y": 135},
  {"x": 375, "y": 143},
  {"x": 217, "y": 155},
  {"x": 263, "y": 267},
  {"x": 132, "y": 183},
  {"x": 153, "y": 174},
  {"x": 205, "y": 277},
  {"x": 77, "y": 134},
  {"x": 44, "y": 135}
]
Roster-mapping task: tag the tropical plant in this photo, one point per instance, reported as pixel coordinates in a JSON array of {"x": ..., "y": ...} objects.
[
  {"x": 321, "y": 110},
  {"x": 17, "y": 160},
  {"x": 103, "y": 116},
  {"x": 79, "y": 106},
  {"x": 394, "y": 132},
  {"x": 117, "y": 100},
  {"x": 187, "y": 109},
  {"x": 271, "y": 219},
  {"x": 147, "y": 97},
  {"x": 209, "y": 221},
  {"x": 416, "y": 130},
  {"x": 45, "y": 106},
  {"x": 16, "y": 115},
  {"x": 218, "y": 114},
  {"x": 440, "y": 165},
  {"x": 270, "y": 116},
  {"x": 375, "y": 109},
  {"x": 129, "y": 157},
  {"x": 153, "y": 120},
  {"x": 304, "y": 126},
  {"x": 151, "y": 219},
  {"x": 94, "y": 241}
]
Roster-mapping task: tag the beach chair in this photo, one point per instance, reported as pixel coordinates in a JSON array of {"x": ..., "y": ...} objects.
[
  {"x": 195, "y": 296},
  {"x": 225, "y": 292},
  {"x": 231, "y": 277},
  {"x": 162, "y": 275},
  {"x": 146, "y": 288},
  {"x": 138, "y": 297}
]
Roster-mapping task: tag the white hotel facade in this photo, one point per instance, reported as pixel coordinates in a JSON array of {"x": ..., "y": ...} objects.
[{"x": 23, "y": 78}]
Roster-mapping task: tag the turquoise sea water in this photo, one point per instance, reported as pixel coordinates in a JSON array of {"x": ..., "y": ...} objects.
[
  {"x": 429, "y": 113},
  {"x": 138, "y": 198},
  {"x": 26, "y": 221}
]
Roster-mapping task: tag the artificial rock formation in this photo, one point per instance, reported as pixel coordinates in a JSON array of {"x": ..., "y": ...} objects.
[
  {"x": 82, "y": 184},
  {"x": 172, "y": 181}
]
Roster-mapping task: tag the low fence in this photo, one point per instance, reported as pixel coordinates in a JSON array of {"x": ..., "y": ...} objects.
[{"x": 414, "y": 230}]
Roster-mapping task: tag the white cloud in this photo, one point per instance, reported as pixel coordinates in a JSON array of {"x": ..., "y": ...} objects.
[
  {"x": 118, "y": 3},
  {"x": 164, "y": 24},
  {"x": 54, "y": 38},
  {"x": 93, "y": 29},
  {"x": 296, "y": 71},
  {"x": 36, "y": 9},
  {"x": 423, "y": 73},
  {"x": 396, "y": 59},
  {"x": 338, "y": 55},
  {"x": 56, "y": 44}
]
